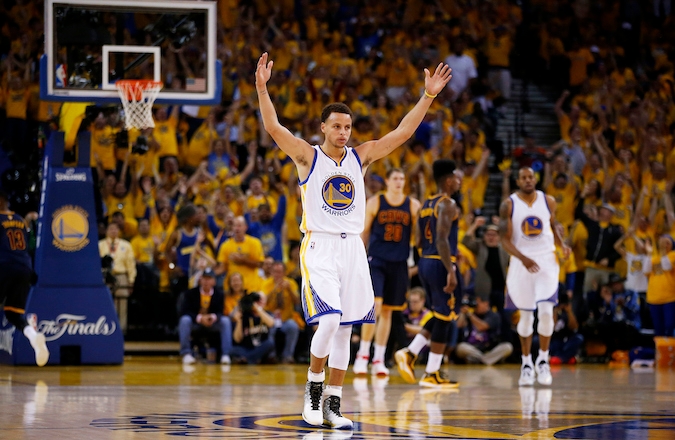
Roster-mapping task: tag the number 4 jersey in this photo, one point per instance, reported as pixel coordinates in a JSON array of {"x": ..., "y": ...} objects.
[
  {"x": 427, "y": 227},
  {"x": 13, "y": 248}
]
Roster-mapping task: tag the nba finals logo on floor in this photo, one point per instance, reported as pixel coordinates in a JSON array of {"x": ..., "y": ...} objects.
[
  {"x": 403, "y": 425},
  {"x": 532, "y": 227},
  {"x": 338, "y": 193},
  {"x": 70, "y": 228}
]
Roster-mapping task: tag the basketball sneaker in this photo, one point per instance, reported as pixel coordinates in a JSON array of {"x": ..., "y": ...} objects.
[
  {"x": 361, "y": 364},
  {"x": 37, "y": 340},
  {"x": 311, "y": 412},
  {"x": 544, "y": 372},
  {"x": 188, "y": 359},
  {"x": 405, "y": 361},
  {"x": 379, "y": 369},
  {"x": 437, "y": 380},
  {"x": 526, "y": 375},
  {"x": 332, "y": 416}
]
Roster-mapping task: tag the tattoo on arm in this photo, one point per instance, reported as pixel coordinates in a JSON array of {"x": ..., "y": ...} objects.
[{"x": 504, "y": 219}]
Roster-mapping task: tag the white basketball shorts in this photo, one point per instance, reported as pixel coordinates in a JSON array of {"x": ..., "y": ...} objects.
[
  {"x": 525, "y": 289},
  {"x": 336, "y": 278}
]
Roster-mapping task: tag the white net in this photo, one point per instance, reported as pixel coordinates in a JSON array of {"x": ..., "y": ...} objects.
[{"x": 137, "y": 98}]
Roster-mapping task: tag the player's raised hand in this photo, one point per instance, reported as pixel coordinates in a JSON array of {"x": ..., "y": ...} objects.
[
  {"x": 433, "y": 84},
  {"x": 264, "y": 70}
]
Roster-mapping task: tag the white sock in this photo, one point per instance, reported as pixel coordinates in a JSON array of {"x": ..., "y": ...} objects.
[
  {"x": 333, "y": 390},
  {"x": 364, "y": 349},
  {"x": 316, "y": 377},
  {"x": 543, "y": 355},
  {"x": 29, "y": 332},
  {"x": 418, "y": 344},
  {"x": 379, "y": 352},
  {"x": 434, "y": 362},
  {"x": 527, "y": 360}
]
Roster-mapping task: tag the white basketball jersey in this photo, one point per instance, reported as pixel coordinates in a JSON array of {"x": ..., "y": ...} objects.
[
  {"x": 531, "y": 226},
  {"x": 334, "y": 195}
]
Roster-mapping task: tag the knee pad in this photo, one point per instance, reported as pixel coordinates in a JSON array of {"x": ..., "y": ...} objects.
[
  {"x": 440, "y": 331},
  {"x": 340, "y": 351},
  {"x": 526, "y": 323},
  {"x": 545, "y": 315},
  {"x": 323, "y": 337}
]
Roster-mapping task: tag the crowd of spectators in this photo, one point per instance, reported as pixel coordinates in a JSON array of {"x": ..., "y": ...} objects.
[{"x": 213, "y": 195}]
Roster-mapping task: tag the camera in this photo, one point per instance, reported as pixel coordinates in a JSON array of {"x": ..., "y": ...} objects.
[
  {"x": 141, "y": 146},
  {"x": 471, "y": 302},
  {"x": 106, "y": 270},
  {"x": 246, "y": 303},
  {"x": 106, "y": 262}
]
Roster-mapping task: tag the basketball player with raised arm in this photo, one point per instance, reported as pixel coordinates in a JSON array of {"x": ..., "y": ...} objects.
[
  {"x": 337, "y": 291},
  {"x": 437, "y": 241},
  {"x": 389, "y": 223},
  {"x": 529, "y": 234}
]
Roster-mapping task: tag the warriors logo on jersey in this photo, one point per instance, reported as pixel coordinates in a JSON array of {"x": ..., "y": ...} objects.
[
  {"x": 338, "y": 192},
  {"x": 532, "y": 226}
]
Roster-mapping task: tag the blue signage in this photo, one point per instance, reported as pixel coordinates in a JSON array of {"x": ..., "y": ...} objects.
[{"x": 74, "y": 307}]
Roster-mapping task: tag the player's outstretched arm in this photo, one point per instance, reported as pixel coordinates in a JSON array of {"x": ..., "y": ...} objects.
[
  {"x": 433, "y": 84},
  {"x": 297, "y": 149}
]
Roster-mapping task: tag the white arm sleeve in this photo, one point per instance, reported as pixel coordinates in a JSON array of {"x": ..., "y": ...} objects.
[{"x": 666, "y": 264}]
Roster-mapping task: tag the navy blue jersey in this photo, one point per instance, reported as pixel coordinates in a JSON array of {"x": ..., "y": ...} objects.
[
  {"x": 427, "y": 224},
  {"x": 390, "y": 231},
  {"x": 13, "y": 241},
  {"x": 184, "y": 249}
]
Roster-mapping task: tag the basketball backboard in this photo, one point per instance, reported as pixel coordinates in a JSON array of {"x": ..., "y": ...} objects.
[{"x": 89, "y": 44}]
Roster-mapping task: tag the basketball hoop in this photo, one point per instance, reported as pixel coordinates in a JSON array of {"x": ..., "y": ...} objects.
[{"x": 137, "y": 97}]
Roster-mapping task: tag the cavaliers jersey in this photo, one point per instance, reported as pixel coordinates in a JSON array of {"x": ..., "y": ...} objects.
[
  {"x": 532, "y": 234},
  {"x": 427, "y": 224},
  {"x": 13, "y": 243},
  {"x": 184, "y": 249},
  {"x": 390, "y": 231},
  {"x": 334, "y": 195}
]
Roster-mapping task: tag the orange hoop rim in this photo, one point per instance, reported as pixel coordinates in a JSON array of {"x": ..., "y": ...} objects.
[{"x": 131, "y": 87}]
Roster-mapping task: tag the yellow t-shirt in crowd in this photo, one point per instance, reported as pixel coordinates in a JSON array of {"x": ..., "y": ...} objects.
[
  {"x": 566, "y": 202},
  {"x": 579, "y": 61},
  {"x": 200, "y": 146},
  {"x": 567, "y": 266},
  {"x": 144, "y": 249},
  {"x": 253, "y": 202},
  {"x": 579, "y": 240},
  {"x": 165, "y": 134},
  {"x": 498, "y": 51},
  {"x": 478, "y": 188},
  {"x": 16, "y": 102},
  {"x": 252, "y": 247},
  {"x": 661, "y": 287},
  {"x": 103, "y": 144}
]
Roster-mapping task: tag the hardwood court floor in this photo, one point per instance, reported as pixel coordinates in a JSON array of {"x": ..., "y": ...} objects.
[{"x": 153, "y": 398}]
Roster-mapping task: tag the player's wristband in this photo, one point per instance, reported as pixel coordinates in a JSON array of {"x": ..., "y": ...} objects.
[{"x": 428, "y": 95}]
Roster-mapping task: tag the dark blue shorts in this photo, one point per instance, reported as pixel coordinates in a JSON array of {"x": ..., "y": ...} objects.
[
  {"x": 390, "y": 281},
  {"x": 434, "y": 277}
]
